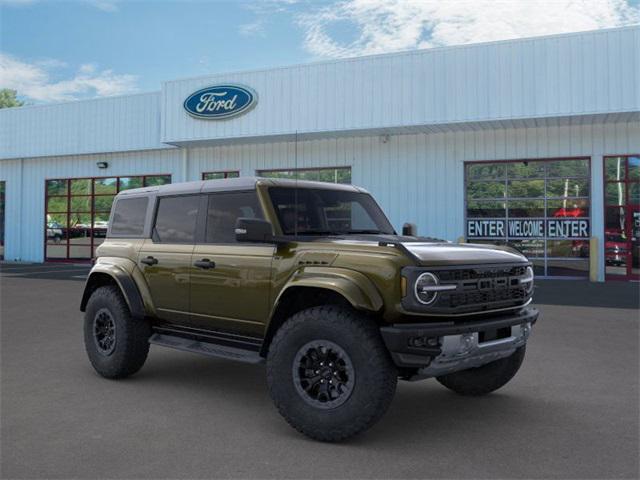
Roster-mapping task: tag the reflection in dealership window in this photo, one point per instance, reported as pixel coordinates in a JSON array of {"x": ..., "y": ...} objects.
[
  {"x": 330, "y": 175},
  {"x": 486, "y": 190},
  {"x": 531, "y": 248},
  {"x": 525, "y": 188},
  {"x": 614, "y": 168},
  {"x": 485, "y": 171},
  {"x": 634, "y": 193},
  {"x": 525, "y": 208},
  {"x": 485, "y": 209},
  {"x": 536, "y": 202},
  {"x": 77, "y": 212},
  {"x": 220, "y": 175},
  {"x": 622, "y": 216},
  {"x": 568, "y": 208},
  {"x": 568, "y": 187},
  {"x": 568, "y": 168},
  {"x": 526, "y": 170}
]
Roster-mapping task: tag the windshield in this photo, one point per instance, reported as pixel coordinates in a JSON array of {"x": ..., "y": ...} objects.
[{"x": 327, "y": 212}]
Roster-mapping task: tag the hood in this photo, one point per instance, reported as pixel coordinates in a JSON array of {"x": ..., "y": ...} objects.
[{"x": 428, "y": 253}]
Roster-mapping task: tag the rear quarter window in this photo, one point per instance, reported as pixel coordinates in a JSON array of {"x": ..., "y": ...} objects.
[{"x": 128, "y": 216}]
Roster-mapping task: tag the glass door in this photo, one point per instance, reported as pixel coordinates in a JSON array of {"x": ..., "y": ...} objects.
[
  {"x": 77, "y": 212},
  {"x": 622, "y": 217}
]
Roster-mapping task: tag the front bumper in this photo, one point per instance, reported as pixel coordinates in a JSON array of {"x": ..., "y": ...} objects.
[{"x": 434, "y": 349}]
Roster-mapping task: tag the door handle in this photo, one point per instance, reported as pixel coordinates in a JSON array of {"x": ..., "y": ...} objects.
[
  {"x": 149, "y": 260},
  {"x": 205, "y": 263}
]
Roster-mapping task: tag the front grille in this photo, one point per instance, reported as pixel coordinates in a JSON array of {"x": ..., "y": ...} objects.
[
  {"x": 482, "y": 288},
  {"x": 478, "y": 289},
  {"x": 475, "y": 298},
  {"x": 480, "y": 272}
]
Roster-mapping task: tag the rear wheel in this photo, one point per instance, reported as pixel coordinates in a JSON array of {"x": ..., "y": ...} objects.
[
  {"x": 484, "y": 379},
  {"x": 116, "y": 343},
  {"x": 329, "y": 373}
]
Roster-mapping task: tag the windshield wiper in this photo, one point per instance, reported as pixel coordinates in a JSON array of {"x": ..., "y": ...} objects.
[{"x": 369, "y": 231}]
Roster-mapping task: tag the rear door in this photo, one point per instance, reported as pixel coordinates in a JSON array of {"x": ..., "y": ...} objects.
[
  {"x": 165, "y": 259},
  {"x": 230, "y": 281}
]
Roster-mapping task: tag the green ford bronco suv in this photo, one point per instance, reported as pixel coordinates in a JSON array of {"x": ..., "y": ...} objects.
[{"x": 311, "y": 279}]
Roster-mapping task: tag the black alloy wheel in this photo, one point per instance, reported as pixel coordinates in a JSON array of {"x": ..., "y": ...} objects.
[
  {"x": 323, "y": 374},
  {"x": 104, "y": 332}
]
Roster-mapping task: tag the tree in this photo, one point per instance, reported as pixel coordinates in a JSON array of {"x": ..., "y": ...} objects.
[{"x": 8, "y": 98}]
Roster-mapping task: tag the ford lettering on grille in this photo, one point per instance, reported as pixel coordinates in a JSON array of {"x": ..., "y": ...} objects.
[{"x": 482, "y": 288}]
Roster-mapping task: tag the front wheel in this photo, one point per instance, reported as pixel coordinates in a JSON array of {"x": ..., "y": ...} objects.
[
  {"x": 484, "y": 379},
  {"x": 329, "y": 373}
]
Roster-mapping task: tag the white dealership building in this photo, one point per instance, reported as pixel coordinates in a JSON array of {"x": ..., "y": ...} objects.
[{"x": 533, "y": 142}]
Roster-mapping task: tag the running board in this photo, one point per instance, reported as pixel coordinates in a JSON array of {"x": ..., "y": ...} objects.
[{"x": 205, "y": 348}]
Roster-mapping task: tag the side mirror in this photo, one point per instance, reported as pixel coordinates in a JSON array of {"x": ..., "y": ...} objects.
[
  {"x": 410, "y": 230},
  {"x": 253, "y": 230}
]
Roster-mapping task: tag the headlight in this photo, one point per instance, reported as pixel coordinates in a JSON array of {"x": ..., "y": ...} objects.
[
  {"x": 426, "y": 288},
  {"x": 527, "y": 280}
]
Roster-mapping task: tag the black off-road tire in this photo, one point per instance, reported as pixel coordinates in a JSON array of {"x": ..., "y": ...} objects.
[
  {"x": 485, "y": 379},
  {"x": 374, "y": 374},
  {"x": 131, "y": 346}
]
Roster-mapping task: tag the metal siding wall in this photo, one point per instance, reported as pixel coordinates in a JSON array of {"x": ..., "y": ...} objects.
[
  {"x": 111, "y": 124},
  {"x": 585, "y": 73},
  {"x": 416, "y": 178}
]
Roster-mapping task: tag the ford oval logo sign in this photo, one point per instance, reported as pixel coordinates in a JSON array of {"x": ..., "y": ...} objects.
[{"x": 220, "y": 101}]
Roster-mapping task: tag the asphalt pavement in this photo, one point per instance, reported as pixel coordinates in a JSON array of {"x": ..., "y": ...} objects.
[{"x": 571, "y": 412}]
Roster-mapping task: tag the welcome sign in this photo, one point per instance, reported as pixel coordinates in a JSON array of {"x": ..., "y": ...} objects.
[
  {"x": 220, "y": 102},
  {"x": 528, "y": 228}
]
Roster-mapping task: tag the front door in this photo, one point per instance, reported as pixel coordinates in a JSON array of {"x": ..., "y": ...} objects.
[
  {"x": 622, "y": 217},
  {"x": 165, "y": 259},
  {"x": 230, "y": 282}
]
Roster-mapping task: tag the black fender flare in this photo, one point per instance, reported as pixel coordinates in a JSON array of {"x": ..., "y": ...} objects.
[{"x": 124, "y": 282}]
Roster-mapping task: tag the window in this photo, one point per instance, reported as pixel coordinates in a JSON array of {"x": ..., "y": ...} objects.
[
  {"x": 176, "y": 219},
  {"x": 77, "y": 212},
  {"x": 316, "y": 212},
  {"x": 330, "y": 175},
  {"x": 223, "y": 211},
  {"x": 156, "y": 180},
  {"x": 128, "y": 216},
  {"x": 220, "y": 175},
  {"x": 622, "y": 217},
  {"x": 540, "y": 207}
]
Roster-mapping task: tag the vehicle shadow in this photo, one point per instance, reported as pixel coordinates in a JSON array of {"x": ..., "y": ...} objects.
[
  {"x": 419, "y": 410},
  {"x": 201, "y": 375}
]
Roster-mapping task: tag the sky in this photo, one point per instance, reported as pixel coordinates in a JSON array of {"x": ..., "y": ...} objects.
[{"x": 54, "y": 50}]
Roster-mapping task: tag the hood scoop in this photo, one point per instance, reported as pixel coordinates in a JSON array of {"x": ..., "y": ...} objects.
[{"x": 452, "y": 254}]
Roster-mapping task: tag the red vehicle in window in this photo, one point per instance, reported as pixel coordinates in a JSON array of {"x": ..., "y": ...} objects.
[
  {"x": 579, "y": 247},
  {"x": 615, "y": 247},
  {"x": 569, "y": 212}
]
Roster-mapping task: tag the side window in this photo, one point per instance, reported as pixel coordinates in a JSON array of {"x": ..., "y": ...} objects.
[
  {"x": 128, "y": 216},
  {"x": 223, "y": 211},
  {"x": 176, "y": 219}
]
